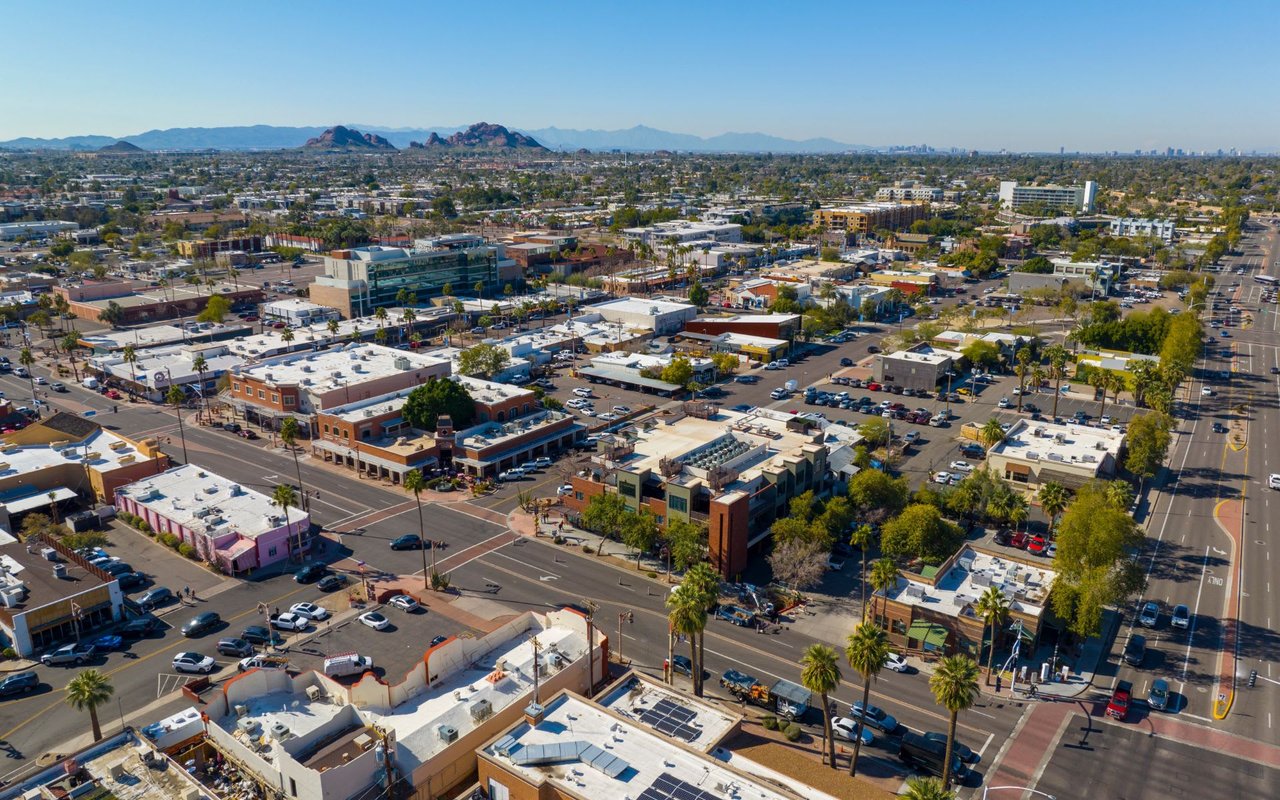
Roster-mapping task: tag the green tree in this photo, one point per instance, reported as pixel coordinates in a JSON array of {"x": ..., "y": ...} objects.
[
  {"x": 112, "y": 315},
  {"x": 920, "y": 788},
  {"x": 606, "y": 514},
  {"x": 993, "y": 607},
  {"x": 726, "y": 363},
  {"x": 866, "y": 652},
  {"x": 1095, "y": 569},
  {"x": 1147, "y": 441},
  {"x": 87, "y": 691},
  {"x": 1022, "y": 370},
  {"x": 215, "y": 310},
  {"x": 290, "y": 431},
  {"x": 1058, "y": 358},
  {"x": 877, "y": 495},
  {"x": 332, "y": 326},
  {"x": 820, "y": 674},
  {"x": 200, "y": 365},
  {"x": 861, "y": 537},
  {"x": 414, "y": 482},
  {"x": 982, "y": 354},
  {"x": 991, "y": 433},
  {"x": 1053, "y": 499},
  {"x": 884, "y": 576},
  {"x": 686, "y": 543},
  {"x": 955, "y": 687},
  {"x": 1038, "y": 265},
  {"x": 483, "y": 360},
  {"x": 685, "y": 619},
  {"x": 27, "y": 360},
  {"x": 71, "y": 343},
  {"x": 698, "y": 294},
  {"x": 639, "y": 532},
  {"x": 678, "y": 371},
  {"x": 425, "y": 404},
  {"x": 284, "y": 496},
  {"x": 920, "y": 532},
  {"x": 176, "y": 397}
]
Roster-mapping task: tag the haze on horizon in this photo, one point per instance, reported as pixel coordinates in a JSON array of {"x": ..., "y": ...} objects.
[{"x": 1000, "y": 75}]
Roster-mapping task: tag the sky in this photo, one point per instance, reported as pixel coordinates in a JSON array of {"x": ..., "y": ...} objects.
[{"x": 1021, "y": 76}]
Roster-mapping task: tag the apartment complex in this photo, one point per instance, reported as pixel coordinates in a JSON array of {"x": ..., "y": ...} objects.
[
  {"x": 236, "y": 528},
  {"x": 734, "y": 472},
  {"x": 1162, "y": 229},
  {"x": 1017, "y": 197},
  {"x": 682, "y": 232},
  {"x": 1034, "y": 453},
  {"x": 869, "y": 217},
  {"x": 909, "y": 190},
  {"x": 359, "y": 280}
]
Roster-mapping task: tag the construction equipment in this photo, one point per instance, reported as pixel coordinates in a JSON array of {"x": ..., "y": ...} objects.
[{"x": 789, "y": 700}]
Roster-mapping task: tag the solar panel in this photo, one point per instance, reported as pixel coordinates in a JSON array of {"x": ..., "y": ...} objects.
[
  {"x": 674, "y": 710},
  {"x": 668, "y": 787}
]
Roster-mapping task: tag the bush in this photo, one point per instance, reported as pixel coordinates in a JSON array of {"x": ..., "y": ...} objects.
[
  {"x": 145, "y": 527},
  {"x": 793, "y": 732},
  {"x": 586, "y": 548},
  {"x": 557, "y": 539},
  {"x": 187, "y": 551},
  {"x": 651, "y": 574},
  {"x": 769, "y": 723},
  {"x": 439, "y": 580},
  {"x": 168, "y": 540}
]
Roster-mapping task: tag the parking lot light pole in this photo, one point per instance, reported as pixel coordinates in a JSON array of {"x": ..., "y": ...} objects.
[{"x": 950, "y": 374}]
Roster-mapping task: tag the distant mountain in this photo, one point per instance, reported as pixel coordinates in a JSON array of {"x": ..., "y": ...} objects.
[
  {"x": 271, "y": 137},
  {"x": 342, "y": 138},
  {"x": 481, "y": 135},
  {"x": 121, "y": 147}
]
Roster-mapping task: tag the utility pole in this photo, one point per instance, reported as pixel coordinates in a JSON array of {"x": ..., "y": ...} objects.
[
  {"x": 537, "y": 667},
  {"x": 591, "y": 607},
  {"x": 628, "y": 617}
]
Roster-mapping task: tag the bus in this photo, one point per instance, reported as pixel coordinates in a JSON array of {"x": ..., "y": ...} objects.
[{"x": 1267, "y": 280}]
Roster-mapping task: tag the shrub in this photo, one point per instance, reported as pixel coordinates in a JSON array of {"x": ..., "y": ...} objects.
[
  {"x": 586, "y": 548},
  {"x": 439, "y": 580},
  {"x": 557, "y": 539},
  {"x": 9, "y": 652},
  {"x": 145, "y": 527},
  {"x": 769, "y": 723},
  {"x": 793, "y": 732},
  {"x": 187, "y": 551},
  {"x": 169, "y": 540},
  {"x": 651, "y": 574}
]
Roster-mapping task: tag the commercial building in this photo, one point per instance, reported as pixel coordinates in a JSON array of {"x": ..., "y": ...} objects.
[
  {"x": 920, "y": 367},
  {"x": 663, "y": 317},
  {"x": 155, "y": 369},
  {"x": 1162, "y": 229},
  {"x": 112, "y": 341},
  {"x": 51, "y": 595},
  {"x": 361, "y": 279},
  {"x": 771, "y": 326},
  {"x": 682, "y": 232},
  {"x": 298, "y": 313},
  {"x": 935, "y": 611},
  {"x": 299, "y": 385},
  {"x": 89, "y": 299},
  {"x": 208, "y": 248},
  {"x": 70, "y": 457},
  {"x": 400, "y": 330},
  {"x": 642, "y": 371},
  {"x": 731, "y": 471},
  {"x": 489, "y": 448},
  {"x": 1034, "y": 453},
  {"x": 35, "y": 230},
  {"x": 867, "y": 218},
  {"x": 1051, "y": 197},
  {"x": 909, "y": 282},
  {"x": 236, "y": 528},
  {"x": 310, "y": 736}
]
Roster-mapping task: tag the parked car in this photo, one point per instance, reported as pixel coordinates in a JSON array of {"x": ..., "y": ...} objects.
[
  {"x": 897, "y": 663},
  {"x": 874, "y": 717},
  {"x": 1019, "y": 540},
  {"x": 310, "y": 573},
  {"x": 239, "y": 648},
  {"x": 107, "y": 643},
  {"x": 409, "y": 541},
  {"x": 19, "y": 683},
  {"x": 75, "y": 654},
  {"x": 201, "y": 624},
  {"x": 846, "y": 362},
  {"x": 965, "y": 754},
  {"x": 310, "y": 611},
  {"x": 330, "y": 582},
  {"x": 1158, "y": 695},
  {"x": 404, "y": 602},
  {"x": 846, "y": 729},
  {"x": 139, "y": 628},
  {"x": 155, "y": 597},
  {"x": 289, "y": 621},
  {"x": 1149, "y": 617},
  {"x": 193, "y": 662},
  {"x": 260, "y": 635},
  {"x": 942, "y": 478},
  {"x": 1135, "y": 650},
  {"x": 961, "y": 466},
  {"x": 1181, "y": 617},
  {"x": 1003, "y": 537},
  {"x": 374, "y": 620},
  {"x": 130, "y": 580},
  {"x": 1037, "y": 545}
]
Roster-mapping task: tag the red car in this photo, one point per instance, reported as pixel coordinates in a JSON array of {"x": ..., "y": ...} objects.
[
  {"x": 873, "y": 386},
  {"x": 1019, "y": 540},
  {"x": 1037, "y": 545}
]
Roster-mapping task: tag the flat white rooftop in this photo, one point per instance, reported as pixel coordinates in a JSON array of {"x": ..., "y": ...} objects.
[
  {"x": 102, "y": 451},
  {"x": 638, "y": 698},
  {"x": 973, "y": 572},
  {"x": 636, "y": 305},
  {"x": 1032, "y": 440},
  {"x": 201, "y": 500},
  {"x": 156, "y": 335},
  {"x": 931, "y": 357},
  {"x": 351, "y": 364},
  {"x": 270, "y": 343}
]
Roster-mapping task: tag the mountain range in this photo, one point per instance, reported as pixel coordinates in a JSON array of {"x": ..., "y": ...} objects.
[{"x": 638, "y": 139}]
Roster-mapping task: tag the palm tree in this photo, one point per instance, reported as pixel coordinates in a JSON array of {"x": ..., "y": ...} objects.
[
  {"x": 284, "y": 496},
  {"x": 289, "y": 433},
  {"x": 176, "y": 397},
  {"x": 919, "y": 788},
  {"x": 87, "y": 691},
  {"x": 130, "y": 356},
  {"x": 381, "y": 316},
  {"x": 820, "y": 673},
  {"x": 1116, "y": 383},
  {"x": 993, "y": 607},
  {"x": 333, "y": 327},
  {"x": 70, "y": 343},
  {"x": 1119, "y": 494},
  {"x": 685, "y": 619},
  {"x": 408, "y": 318},
  {"x": 1022, "y": 370},
  {"x": 861, "y": 538},
  {"x": 866, "y": 652},
  {"x": 414, "y": 482},
  {"x": 1101, "y": 381},
  {"x": 200, "y": 365},
  {"x": 884, "y": 576},
  {"x": 700, "y": 590},
  {"x": 27, "y": 361},
  {"x": 991, "y": 433},
  {"x": 955, "y": 686},
  {"x": 1037, "y": 377},
  {"x": 1053, "y": 499},
  {"x": 1058, "y": 357}
]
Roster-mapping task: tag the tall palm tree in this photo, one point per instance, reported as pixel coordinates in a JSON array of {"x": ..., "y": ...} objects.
[
  {"x": 1101, "y": 381},
  {"x": 866, "y": 652},
  {"x": 200, "y": 366},
  {"x": 919, "y": 788},
  {"x": 993, "y": 607},
  {"x": 176, "y": 397},
  {"x": 991, "y": 433},
  {"x": 130, "y": 356},
  {"x": 284, "y": 496},
  {"x": 290, "y": 430},
  {"x": 820, "y": 673},
  {"x": 1058, "y": 357},
  {"x": 87, "y": 691},
  {"x": 70, "y": 343},
  {"x": 861, "y": 538},
  {"x": 27, "y": 360},
  {"x": 955, "y": 686},
  {"x": 1053, "y": 499},
  {"x": 701, "y": 589},
  {"x": 884, "y": 576},
  {"x": 333, "y": 327},
  {"x": 414, "y": 482},
  {"x": 408, "y": 318},
  {"x": 1037, "y": 377},
  {"x": 685, "y": 619},
  {"x": 381, "y": 316},
  {"x": 1022, "y": 370}
]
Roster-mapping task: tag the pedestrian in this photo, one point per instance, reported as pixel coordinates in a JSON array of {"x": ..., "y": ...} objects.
[
  {"x": 1032, "y": 693},
  {"x": 186, "y": 592},
  {"x": 997, "y": 684}
]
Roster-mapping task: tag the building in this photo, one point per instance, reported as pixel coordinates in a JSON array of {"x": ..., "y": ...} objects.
[
  {"x": 35, "y": 230},
  {"x": 207, "y": 249},
  {"x": 489, "y": 448},
  {"x": 299, "y": 385},
  {"x": 663, "y": 317},
  {"x": 913, "y": 243},
  {"x": 909, "y": 282},
  {"x": 155, "y": 369},
  {"x": 734, "y": 472},
  {"x": 909, "y": 191},
  {"x": 321, "y": 335},
  {"x": 641, "y": 371},
  {"x": 310, "y": 736},
  {"x": 934, "y": 611},
  {"x": 113, "y": 341},
  {"x": 1080, "y": 277},
  {"x": 815, "y": 273},
  {"x": 89, "y": 299},
  {"x": 71, "y": 458},
  {"x": 921, "y": 367},
  {"x": 1034, "y": 453},
  {"x": 1162, "y": 229},
  {"x": 51, "y": 595},
  {"x": 867, "y": 218},
  {"x": 770, "y": 326},
  {"x": 299, "y": 313},
  {"x": 1049, "y": 198},
  {"x": 236, "y": 528},
  {"x": 681, "y": 232},
  {"x": 361, "y": 279}
]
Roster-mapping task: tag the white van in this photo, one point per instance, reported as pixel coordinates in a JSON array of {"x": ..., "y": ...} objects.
[
  {"x": 345, "y": 664},
  {"x": 91, "y": 383}
]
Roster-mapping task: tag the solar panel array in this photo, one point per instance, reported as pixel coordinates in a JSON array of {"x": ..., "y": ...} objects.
[
  {"x": 672, "y": 719},
  {"x": 668, "y": 787}
]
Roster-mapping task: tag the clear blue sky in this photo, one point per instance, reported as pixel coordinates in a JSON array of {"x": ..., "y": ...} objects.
[{"x": 1020, "y": 75}]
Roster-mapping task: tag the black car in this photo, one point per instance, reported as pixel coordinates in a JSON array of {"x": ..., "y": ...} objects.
[
  {"x": 231, "y": 427},
  {"x": 201, "y": 623},
  {"x": 1275, "y": 370},
  {"x": 117, "y": 568},
  {"x": 155, "y": 597},
  {"x": 846, "y": 362},
  {"x": 310, "y": 573},
  {"x": 234, "y": 647},
  {"x": 1003, "y": 537},
  {"x": 438, "y": 640},
  {"x": 965, "y": 753},
  {"x": 130, "y": 580},
  {"x": 260, "y": 634},
  {"x": 139, "y": 628},
  {"x": 19, "y": 683},
  {"x": 410, "y": 541},
  {"x": 330, "y": 582},
  {"x": 1135, "y": 651},
  {"x": 1218, "y": 427}
]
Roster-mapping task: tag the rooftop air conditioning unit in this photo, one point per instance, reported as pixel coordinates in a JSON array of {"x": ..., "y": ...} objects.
[
  {"x": 481, "y": 710},
  {"x": 447, "y": 733}
]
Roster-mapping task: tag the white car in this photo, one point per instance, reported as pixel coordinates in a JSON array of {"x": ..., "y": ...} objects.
[
  {"x": 1273, "y": 481},
  {"x": 587, "y": 412},
  {"x": 942, "y": 478},
  {"x": 607, "y": 417},
  {"x": 911, "y": 437},
  {"x": 404, "y": 602},
  {"x": 309, "y": 611},
  {"x": 621, "y": 410},
  {"x": 374, "y": 620},
  {"x": 577, "y": 402},
  {"x": 565, "y": 490},
  {"x": 771, "y": 365},
  {"x": 844, "y": 728},
  {"x": 42, "y": 380},
  {"x": 1016, "y": 391},
  {"x": 896, "y": 663},
  {"x": 961, "y": 466},
  {"x": 1105, "y": 420},
  {"x": 542, "y": 462},
  {"x": 289, "y": 621},
  {"x": 582, "y": 391},
  {"x": 1004, "y": 402},
  {"x": 1205, "y": 391},
  {"x": 193, "y": 662},
  {"x": 511, "y": 475}
]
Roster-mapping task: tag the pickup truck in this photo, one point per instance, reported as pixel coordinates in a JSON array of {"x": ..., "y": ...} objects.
[
  {"x": 1118, "y": 705},
  {"x": 736, "y": 615},
  {"x": 289, "y": 621}
]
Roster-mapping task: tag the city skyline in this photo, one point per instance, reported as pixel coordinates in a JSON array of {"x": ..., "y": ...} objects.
[{"x": 1002, "y": 79}]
